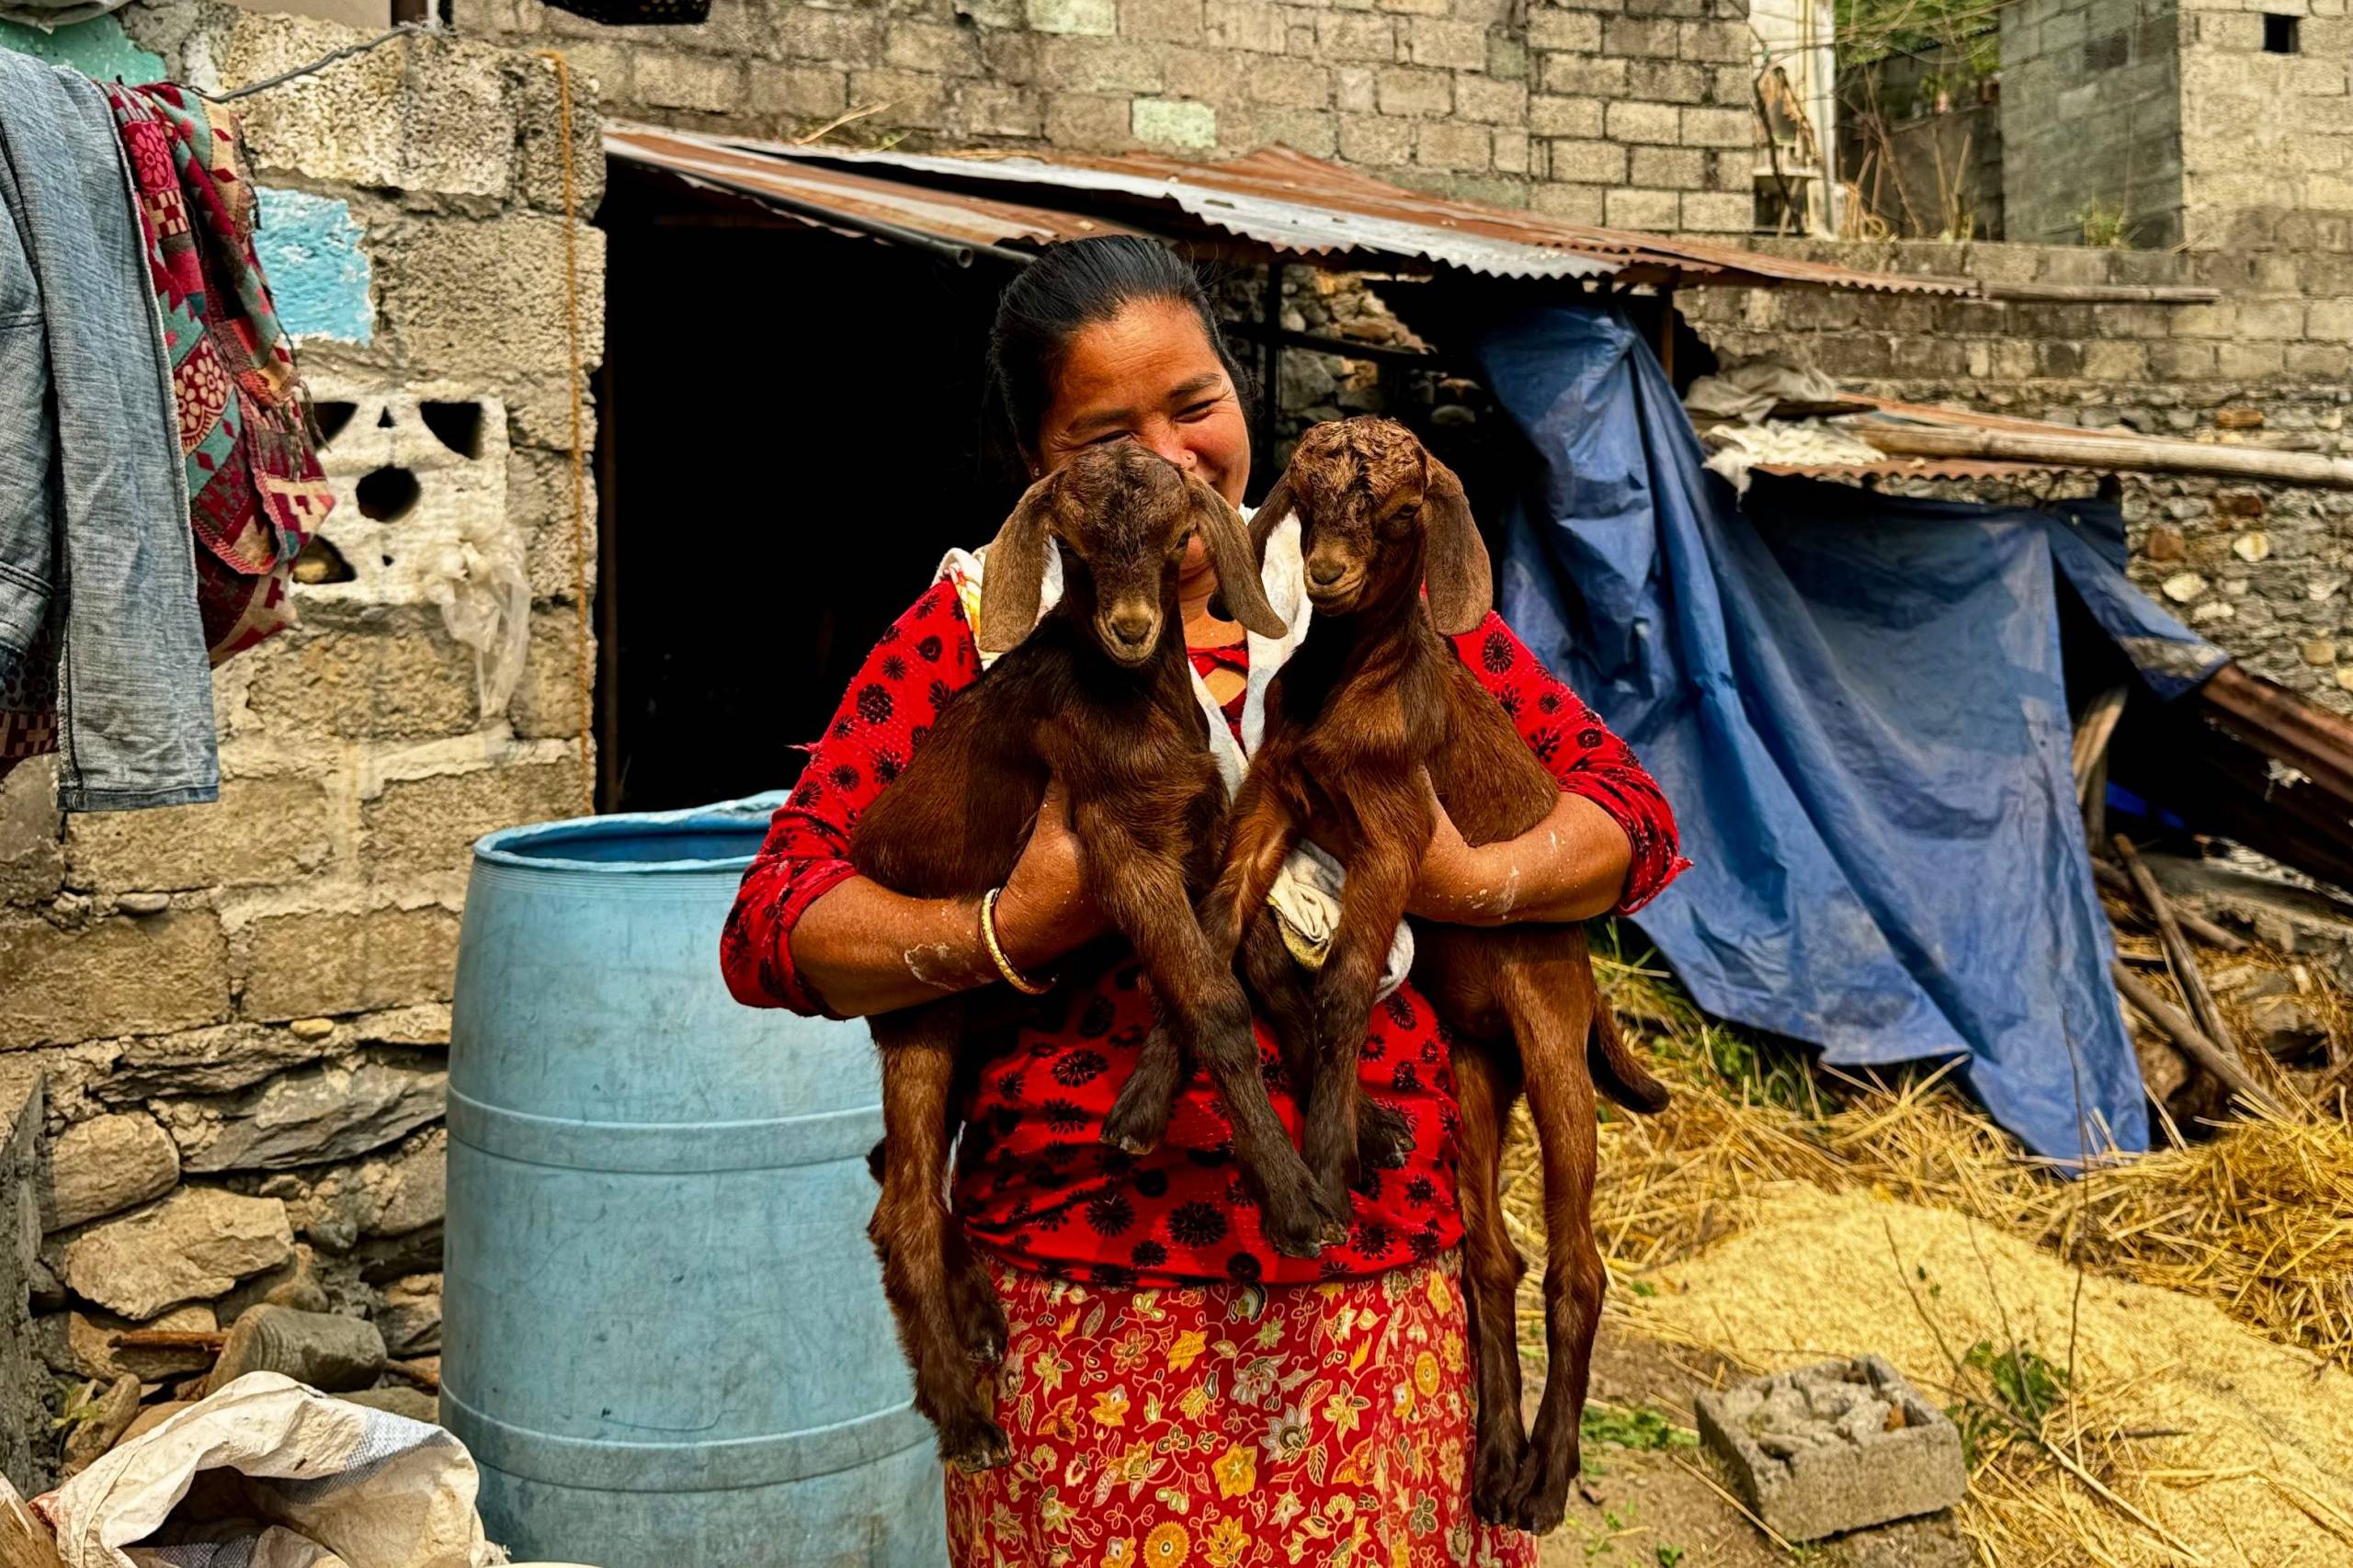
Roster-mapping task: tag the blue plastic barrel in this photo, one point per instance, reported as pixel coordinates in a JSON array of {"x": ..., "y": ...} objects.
[{"x": 665, "y": 1337}]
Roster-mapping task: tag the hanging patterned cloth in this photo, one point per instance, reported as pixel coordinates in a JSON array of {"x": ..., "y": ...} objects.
[
  {"x": 255, "y": 492},
  {"x": 255, "y": 489}
]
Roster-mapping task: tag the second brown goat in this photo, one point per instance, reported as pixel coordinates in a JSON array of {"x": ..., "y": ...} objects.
[
  {"x": 1374, "y": 701},
  {"x": 1099, "y": 695}
]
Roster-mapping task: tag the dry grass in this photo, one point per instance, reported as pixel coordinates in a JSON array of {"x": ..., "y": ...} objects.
[{"x": 2257, "y": 1221}]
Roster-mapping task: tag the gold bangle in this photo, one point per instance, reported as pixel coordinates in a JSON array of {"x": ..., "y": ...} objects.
[{"x": 1013, "y": 977}]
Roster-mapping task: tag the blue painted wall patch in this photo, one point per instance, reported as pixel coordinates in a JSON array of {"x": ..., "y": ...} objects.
[{"x": 311, "y": 249}]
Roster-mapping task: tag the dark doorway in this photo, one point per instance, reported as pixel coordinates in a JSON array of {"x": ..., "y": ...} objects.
[{"x": 787, "y": 434}]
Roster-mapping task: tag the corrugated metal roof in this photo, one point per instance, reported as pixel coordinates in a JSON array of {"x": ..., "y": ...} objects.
[
  {"x": 816, "y": 189},
  {"x": 1292, "y": 205}
]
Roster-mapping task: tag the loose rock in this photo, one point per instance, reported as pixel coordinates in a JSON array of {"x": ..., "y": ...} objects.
[
  {"x": 316, "y": 1116},
  {"x": 191, "y": 1246},
  {"x": 152, "y": 1417},
  {"x": 400, "y": 1400},
  {"x": 410, "y": 1318},
  {"x": 2289, "y": 1030},
  {"x": 327, "y": 1352},
  {"x": 103, "y": 1426},
  {"x": 106, "y": 1165},
  {"x": 294, "y": 1283}
]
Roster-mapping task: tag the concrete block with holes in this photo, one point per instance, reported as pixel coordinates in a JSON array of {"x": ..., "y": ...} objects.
[{"x": 1834, "y": 1447}]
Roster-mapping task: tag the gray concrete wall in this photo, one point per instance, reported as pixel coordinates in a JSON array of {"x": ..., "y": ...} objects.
[
  {"x": 2263, "y": 135},
  {"x": 1632, "y": 112},
  {"x": 2092, "y": 118}
]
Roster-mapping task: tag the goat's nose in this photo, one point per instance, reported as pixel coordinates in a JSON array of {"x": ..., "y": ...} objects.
[
  {"x": 1131, "y": 626},
  {"x": 1325, "y": 572}
]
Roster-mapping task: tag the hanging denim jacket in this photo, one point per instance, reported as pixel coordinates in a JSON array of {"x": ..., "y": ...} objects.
[{"x": 98, "y": 575}]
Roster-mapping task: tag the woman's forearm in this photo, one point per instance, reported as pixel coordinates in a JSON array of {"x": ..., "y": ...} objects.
[
  {"x": 861, "y": 948},
  {"x": 1570, "y": 867}
]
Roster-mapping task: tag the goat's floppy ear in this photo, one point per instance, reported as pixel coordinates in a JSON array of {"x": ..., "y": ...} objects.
[
  {"x": 1234, "y": 552},
  {"x": 1270, "y": 513},
  {"x": 1455, "y": 567},
  {"x": 1016, "y": 568}
]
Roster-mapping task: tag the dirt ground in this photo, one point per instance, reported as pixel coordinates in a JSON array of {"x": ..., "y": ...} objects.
[{"x": 1651, "y": 1509}]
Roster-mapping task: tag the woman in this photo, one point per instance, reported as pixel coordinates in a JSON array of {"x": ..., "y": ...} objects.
[{"x": 1173, "y": 1387}]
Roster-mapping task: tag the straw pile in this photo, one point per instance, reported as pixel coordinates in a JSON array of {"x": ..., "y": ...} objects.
[
  {"x": 2259, "y": 1218},
  {"x": 1744, "y": 1205}
]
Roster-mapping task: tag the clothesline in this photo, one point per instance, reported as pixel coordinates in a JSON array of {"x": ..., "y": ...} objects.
[{"x": 324, "y": 61}]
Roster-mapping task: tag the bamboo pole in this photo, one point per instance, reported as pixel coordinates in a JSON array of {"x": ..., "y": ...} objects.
[
  {"x": 2135, "y": 454},
  {"x": 2179, "y": 958},
  {"x": 2113, "y": 879},
  {"x": 2092, "y": 735},
  {"x": 2188, "y": 1035},
  {"x": 2103, "y": 293}
]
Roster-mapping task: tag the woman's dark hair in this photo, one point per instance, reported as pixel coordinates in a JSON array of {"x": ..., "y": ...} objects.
[{"x": 1072, "y": 286}]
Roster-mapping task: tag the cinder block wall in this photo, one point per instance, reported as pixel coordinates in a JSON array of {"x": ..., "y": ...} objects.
[
  {"x": 1632, "y": 112},
  {"x": 2265, "y": 571},
  {"x": 252, "y": 996},
  {"x": 2265, "y": 137},
  {"x": 2091, "y": 119}
]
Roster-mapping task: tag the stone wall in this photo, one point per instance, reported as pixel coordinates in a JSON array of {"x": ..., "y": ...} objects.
[
  {"x": 2263, "y": 570},
  {"x": 1632, "y": 112},
  {"x": 2092, "y": 109},
  {"x": 241, "y": 1009}
]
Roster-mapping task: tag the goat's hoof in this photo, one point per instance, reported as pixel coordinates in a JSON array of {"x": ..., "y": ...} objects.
[
  {"x": 980, "y": 1320},
  {"x": 1384, "y": 1137},
  {"x": 1136, "y": 1123},
  {"x": 1295, "y": 1228},
  {"x": 974, "y": 1443},
  {"x": 1543, "y": 1492},
  {"x": 1336, "y": 1211}
]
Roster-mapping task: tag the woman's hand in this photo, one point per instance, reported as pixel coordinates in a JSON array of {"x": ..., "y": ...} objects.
[
  {"x": 1045, "y": 911},
  {"x": 1570, "y": 867}
]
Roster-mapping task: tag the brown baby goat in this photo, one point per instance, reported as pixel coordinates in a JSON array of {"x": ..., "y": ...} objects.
[
  {"x": 1100, "y": 695},
  {"x": 1372, "y": 700}
]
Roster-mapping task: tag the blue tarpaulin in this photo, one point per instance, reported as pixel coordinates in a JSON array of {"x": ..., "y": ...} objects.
[{"x": 1856, "y": 705}]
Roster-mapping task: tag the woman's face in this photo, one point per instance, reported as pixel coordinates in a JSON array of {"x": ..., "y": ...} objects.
[{"x": 1149, "y": 375}]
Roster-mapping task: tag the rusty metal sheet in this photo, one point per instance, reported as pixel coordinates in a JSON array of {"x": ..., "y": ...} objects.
[
  {"x": 2291, "y": 730},
  {"x": 968, "y": 219},
  {"x": 1295, "y": 205}
]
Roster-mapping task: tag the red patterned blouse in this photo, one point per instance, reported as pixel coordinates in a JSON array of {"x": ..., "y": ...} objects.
[{"x": 1033, "y": 1184}]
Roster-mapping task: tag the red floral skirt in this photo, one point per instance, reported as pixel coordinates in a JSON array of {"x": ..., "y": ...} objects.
[{"x": 1232, "y": 1427}]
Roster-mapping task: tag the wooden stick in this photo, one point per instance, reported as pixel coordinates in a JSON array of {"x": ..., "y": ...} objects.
[
  {"x": 2179, "y": 958},
  {"x": 24, "y": 1542},
  {"x": 2093, "y": 733},
  {"x": 169, "y": 1339},
  {"x": 2122, "y": 454},
  {"x": 2112, "y": 877},
  {"x": 2185, "y": 1034}
]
